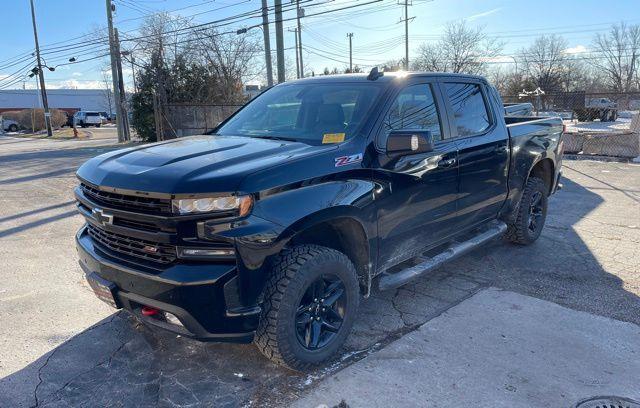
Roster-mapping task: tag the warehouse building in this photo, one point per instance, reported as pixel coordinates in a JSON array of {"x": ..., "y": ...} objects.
[{"x": 69, "y": 100}]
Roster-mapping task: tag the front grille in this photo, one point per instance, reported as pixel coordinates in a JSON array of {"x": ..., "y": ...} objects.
[
  {"x": 132, "y": 246},
  {"x": 126, "y": 202}
]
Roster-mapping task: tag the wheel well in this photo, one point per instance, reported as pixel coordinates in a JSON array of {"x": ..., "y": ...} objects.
[
  {"x": 345, "y": 235},
  {"x": 544, "y": 170}
]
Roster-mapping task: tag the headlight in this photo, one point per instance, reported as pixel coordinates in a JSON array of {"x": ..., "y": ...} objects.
[{"x": 213, "y": 204}]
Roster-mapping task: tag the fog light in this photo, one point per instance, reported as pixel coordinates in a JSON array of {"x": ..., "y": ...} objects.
[
  {"x": 171, "y": 318},
  {"x": 206, "y": 252}
]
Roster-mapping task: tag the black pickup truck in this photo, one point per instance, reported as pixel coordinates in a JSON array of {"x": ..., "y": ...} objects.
[{"x": 271, "y": 228}]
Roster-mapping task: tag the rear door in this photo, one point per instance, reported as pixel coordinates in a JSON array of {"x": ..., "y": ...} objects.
[
  {"x": 417, "y": 198},
  {"x": 483, "y": 150}
]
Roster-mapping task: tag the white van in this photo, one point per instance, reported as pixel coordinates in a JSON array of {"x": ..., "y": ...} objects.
[{"x": 87, "y": 118}]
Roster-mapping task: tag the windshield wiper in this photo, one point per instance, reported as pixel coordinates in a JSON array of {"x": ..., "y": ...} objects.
[{"x": 289, "y": 139}]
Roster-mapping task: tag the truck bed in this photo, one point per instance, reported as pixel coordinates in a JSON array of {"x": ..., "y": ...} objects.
[
  {"x": 527, "y": 125},
  {"x": 518, "y": 109}
]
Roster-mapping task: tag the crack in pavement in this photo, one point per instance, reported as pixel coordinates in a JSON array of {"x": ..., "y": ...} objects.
[{"x": 40, "y": 380}]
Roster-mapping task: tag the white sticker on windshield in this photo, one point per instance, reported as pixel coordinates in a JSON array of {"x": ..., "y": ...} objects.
[{"x": 345, "y": 160}]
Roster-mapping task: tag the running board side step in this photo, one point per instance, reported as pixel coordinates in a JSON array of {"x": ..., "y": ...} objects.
[{"x": 391, "y": 281}]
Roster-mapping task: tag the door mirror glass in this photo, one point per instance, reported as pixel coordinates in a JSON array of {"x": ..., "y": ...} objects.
[{"x": 407, "y": 142}]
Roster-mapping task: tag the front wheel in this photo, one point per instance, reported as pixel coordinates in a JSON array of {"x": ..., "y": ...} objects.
[
  {"x": 310, "y": 303},
  {"x": 532, "y": 213},
  {"x": 13, "y": 128}
]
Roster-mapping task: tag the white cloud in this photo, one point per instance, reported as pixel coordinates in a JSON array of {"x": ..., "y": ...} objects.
[
  {"x": 483, "y": 14},
  {"x": 578, "y": 49},
  {"x": 73, "y": 84},
  {"x": 505, "y": 59},
  {"x": 77, "y": 74}
]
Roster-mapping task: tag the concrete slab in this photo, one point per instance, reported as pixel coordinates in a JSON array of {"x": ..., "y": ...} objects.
[{"x": 498, "y": 349}]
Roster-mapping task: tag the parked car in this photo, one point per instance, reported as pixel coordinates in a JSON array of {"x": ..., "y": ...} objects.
[
  {"x": 10, "y": 125},
  {"x": 597, "y": 108},
  {"x": 601, "y": 103},
  {"x": 87, "y": 118},
  {"x": 271, "y": 228}
]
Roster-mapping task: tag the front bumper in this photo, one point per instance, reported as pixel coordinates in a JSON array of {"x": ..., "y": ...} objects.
[{"x": 201, "y": 295}]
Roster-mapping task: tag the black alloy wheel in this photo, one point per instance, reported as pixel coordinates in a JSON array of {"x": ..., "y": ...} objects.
[
  {"x": 531, "y": 213},
  {"x": 536, "y": 212},
  {"x": 310, "y": 304},
  {"x": 320, "y": 312}
]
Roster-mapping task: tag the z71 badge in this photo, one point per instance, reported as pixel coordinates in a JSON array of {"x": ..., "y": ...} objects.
[{"x": 345, "y": 160}]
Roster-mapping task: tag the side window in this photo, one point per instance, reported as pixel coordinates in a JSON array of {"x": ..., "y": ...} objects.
[
  {"x": 414, "y": 109},
  {"x": 469, "y": 109}
]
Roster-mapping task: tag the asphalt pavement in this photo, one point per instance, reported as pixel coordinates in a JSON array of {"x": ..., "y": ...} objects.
[{"x": 60, "y": 346}]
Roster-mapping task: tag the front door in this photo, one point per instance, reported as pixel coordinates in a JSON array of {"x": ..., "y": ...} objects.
[{"x": 417, "y": 195}]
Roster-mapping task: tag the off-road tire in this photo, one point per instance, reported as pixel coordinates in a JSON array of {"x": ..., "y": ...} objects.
[
  {"x": 292, "y": 273},
  {"x": 519, "y": 232}
]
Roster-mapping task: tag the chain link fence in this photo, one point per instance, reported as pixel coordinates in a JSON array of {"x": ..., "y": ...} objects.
[
  {"x": 597, "y": 123},
  {"x": 569, "y": 101},
  {"x": 196, "y": 119}
]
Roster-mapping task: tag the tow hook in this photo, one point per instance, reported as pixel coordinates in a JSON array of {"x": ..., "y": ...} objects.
[{"x": 149, "y": 311}]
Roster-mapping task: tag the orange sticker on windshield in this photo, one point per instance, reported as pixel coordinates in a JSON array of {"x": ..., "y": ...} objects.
[{"x": 333, "y": 138}]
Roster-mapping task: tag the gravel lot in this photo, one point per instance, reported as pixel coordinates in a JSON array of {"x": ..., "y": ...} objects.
[{"x": 60, "y": 346}]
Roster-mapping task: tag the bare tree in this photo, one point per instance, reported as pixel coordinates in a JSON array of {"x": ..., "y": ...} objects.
[
  {"x": 620, "y": 50},
  {"x": 108, "y": 96},
  {"x": 545, "y": 62},
  {"x": 460, "y": 49},
  {"x": 393, "y": 65},
  {"x": 232, "y": 59}
]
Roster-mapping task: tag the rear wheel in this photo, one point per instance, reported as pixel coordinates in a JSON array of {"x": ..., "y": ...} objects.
[
  {"x": 532, "y": 213},
  {"x": 13, "y": 128},
  {"x": 309, "y": 306}
]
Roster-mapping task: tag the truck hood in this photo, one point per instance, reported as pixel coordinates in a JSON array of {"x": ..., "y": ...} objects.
[{"x": 198, "y": 164}]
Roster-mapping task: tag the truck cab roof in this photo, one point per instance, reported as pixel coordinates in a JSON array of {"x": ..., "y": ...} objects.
[{"x": 385, "y": 77}]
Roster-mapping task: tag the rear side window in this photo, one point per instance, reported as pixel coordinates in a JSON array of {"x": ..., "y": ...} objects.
[
  {"x": 414, "y": 109},
  {"x": 471, "y": 115}
]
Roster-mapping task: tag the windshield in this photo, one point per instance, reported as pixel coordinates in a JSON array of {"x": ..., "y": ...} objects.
[{"x": 310, "y": 113}]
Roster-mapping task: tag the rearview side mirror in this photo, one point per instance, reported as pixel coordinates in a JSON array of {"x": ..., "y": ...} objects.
[{"x": 406, "y": 142}]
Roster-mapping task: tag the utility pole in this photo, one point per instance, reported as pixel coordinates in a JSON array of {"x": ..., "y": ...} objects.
[
  {"x": 267, "y": 42},
  {"x": 43, "y": 90},
  {"x": 295, "y": 31},
  {"x": 279, "y": 40},
  {"x": 299, "y": 13},
  {"x": 161, "y": 92},
  {"x": 350, "y": 35},
  {"x": 123, "y": 102},
  {"x": 114, "y": 73},
  {"x": 406, "y": 34},
  {"x": 133, "y": 73}
]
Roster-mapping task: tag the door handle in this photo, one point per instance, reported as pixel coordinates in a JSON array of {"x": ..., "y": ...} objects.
[
  {"x": 501, "y": 149},
  {"x": 446, "y": 162}
]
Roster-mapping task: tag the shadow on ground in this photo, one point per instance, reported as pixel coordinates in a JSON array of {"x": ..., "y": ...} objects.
[{"x": 118, "y": 362}]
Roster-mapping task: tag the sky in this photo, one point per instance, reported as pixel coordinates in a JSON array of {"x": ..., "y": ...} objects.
[{"x": 377, "y": 31}]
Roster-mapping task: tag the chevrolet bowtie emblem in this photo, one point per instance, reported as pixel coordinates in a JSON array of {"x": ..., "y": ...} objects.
[
  {"x": 102, "y": 218},
  {"x": 150, "y": 249}
]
